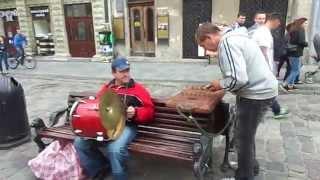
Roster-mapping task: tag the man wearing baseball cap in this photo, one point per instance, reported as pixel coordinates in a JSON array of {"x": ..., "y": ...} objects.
[{"x": 96, "y": 157}]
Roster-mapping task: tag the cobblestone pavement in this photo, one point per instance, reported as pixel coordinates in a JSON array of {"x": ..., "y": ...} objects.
[{"x": 286, "y": 149}]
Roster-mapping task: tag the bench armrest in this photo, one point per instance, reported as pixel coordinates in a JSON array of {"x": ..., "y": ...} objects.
[{"x": 56, "y": 116}]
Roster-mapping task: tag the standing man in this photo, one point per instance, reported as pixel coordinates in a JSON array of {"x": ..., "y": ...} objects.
[
  {"x": 140, "y": 110},
  {"x": 264, "y": 39},
  {"x": 259, "y": 20},
  {"x": 247, "y": 75},
  {"x": 19, "y": 42},
  {"x": 241, "y": 19}
]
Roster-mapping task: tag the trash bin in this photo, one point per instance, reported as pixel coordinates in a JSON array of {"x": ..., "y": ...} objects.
[{"x": 14, "y": 126}]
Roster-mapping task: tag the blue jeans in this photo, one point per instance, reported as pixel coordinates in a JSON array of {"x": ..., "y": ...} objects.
[
  {"x": 20, "y": 53},
  {"x": 4, "y": 58},
  {"x": 295, "y": 70},
  {"x": 92, "y": 154}
]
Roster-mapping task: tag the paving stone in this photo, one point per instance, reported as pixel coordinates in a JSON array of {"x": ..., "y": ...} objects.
[
  {"x": 276, "y": 156},
  {"x": 275, "y": 176},
  {"x": 313, "y": 168},
  {"x": 297, "y": 168},
  {"x": 298, "y": 124},
  {"x": 275, "y": 166}
]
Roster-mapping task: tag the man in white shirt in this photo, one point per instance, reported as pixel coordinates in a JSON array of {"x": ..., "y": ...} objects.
[
  {"x": 259, "y": 20},
  {"x": 262, "y": 35}
]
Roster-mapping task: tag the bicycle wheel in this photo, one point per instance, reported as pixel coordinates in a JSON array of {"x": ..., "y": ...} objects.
[
  {"x": 29, "y": 62},
  {"x": 13, "y": 63}
]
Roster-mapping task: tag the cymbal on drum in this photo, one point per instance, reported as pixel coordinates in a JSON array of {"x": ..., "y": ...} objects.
[{"x": 112, "y": 113}]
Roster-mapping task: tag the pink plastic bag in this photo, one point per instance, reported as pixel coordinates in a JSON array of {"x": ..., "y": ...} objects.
[{"x": 57, "y": 162}]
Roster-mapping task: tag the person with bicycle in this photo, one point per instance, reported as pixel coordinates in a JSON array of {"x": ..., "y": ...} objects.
[
  {"x": 3, "y": 55},
  {"x": 19, "y": 42}
]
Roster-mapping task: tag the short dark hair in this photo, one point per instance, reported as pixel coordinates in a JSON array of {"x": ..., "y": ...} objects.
[
  {"x": 241, "y": 14},
  {"x": 258, "y": 12},
  {"x": 273, "y": 16},
  {"x": 204, "y": 30}
]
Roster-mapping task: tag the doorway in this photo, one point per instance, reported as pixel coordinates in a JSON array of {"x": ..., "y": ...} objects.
[
  {"x": 142, "y": 29},
  {"x": 195, "y": 12},
  {"x": 79, "y": 25}
]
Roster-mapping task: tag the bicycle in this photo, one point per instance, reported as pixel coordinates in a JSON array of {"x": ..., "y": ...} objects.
[{"x": 29, "y": 62}]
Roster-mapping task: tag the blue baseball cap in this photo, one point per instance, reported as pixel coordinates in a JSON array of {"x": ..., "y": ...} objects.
[{"x": 120, "y": 64}]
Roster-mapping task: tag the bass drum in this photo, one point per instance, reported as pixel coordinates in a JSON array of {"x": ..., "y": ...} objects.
[{"x": 86, "y": 122}]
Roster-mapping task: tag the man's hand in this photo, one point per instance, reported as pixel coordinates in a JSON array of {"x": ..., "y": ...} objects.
[
  {"x": 131, "y": 111},
  {"x": 213, "y": 86}
]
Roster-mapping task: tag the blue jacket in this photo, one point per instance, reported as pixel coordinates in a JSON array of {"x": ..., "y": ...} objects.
[{"x": 19, "y": 40}]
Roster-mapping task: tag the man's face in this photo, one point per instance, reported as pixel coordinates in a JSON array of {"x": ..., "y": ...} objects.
[
  {"x": 211, "y": 42},
  {"x": 122, "y": 77},
  {"x": 275, "y": 23},
  {"x": 241, "y": 20},
  {"x": 260, "y": 19}
]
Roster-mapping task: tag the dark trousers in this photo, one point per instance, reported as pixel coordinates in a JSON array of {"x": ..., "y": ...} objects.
[
  {"x": 282, "y": 60},
  {"x": 249, "y": 113},
  {"x": 275, "y": 106}
]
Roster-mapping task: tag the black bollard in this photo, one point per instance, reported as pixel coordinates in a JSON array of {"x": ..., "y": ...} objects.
[{"x": 14, "y": 125}]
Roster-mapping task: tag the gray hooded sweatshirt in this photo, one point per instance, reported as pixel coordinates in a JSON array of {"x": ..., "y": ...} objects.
[{"x": 244, "y": 69}]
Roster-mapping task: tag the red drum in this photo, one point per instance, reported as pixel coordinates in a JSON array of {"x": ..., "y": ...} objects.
[{"x": 85, "y": 119}]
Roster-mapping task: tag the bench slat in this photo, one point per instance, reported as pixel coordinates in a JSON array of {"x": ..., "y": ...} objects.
[
  {"x": 176, "y": 116},
  {"x": 159, "y": 152}
]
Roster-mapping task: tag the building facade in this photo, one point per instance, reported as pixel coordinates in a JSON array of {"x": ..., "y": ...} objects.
[{"x": 163, "y": 29}]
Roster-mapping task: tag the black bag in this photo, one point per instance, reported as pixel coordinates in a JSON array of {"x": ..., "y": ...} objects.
[{"x": 291, "y": 48}]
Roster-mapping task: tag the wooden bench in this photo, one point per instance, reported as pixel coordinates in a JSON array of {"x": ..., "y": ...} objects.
[{"x": 169, "y": 135}]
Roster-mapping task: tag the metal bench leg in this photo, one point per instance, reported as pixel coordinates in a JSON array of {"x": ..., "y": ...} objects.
[
  {"x": 38, "y": 125},
  {"x": 225, "y": 166},
  {"x": 202, "y": 156}
]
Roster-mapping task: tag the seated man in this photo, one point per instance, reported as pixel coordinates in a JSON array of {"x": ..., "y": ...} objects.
[{"x": 140, "y": 110}]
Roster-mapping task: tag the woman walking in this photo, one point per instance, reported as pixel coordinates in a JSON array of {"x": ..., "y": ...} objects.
[
  {"x": 297, "y": 42},
  {"x": 3, "y": 55}
]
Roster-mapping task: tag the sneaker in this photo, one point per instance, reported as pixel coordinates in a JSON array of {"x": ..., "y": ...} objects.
[
  {"x": 299, "y": 82},
  {"x": 282, "y": 114},
  {"x": 289, "y": 88},
  {"x": 294, "y": 87}
]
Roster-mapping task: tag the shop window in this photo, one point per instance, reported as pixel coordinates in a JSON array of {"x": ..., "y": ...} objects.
[{"x": 150, "y": 24}]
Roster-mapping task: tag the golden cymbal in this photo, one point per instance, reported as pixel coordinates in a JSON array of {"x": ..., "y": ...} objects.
[{"x": 112, "y": 113}]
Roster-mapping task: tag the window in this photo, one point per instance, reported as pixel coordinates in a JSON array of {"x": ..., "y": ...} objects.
[
  {"x": 137, "y": 24},
  {"x": 78, "y": 10},
  {"x": 81, "y": 31},
  {"x": 118, "y": 8}
]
